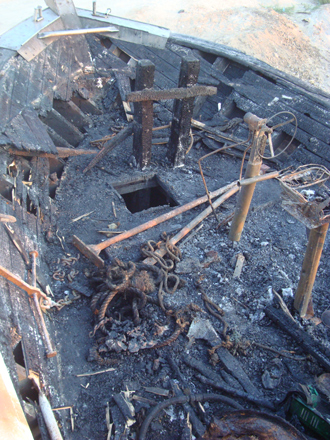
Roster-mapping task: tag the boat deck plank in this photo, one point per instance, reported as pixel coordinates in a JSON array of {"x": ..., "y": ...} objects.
[{"x": 15, "y": 304}]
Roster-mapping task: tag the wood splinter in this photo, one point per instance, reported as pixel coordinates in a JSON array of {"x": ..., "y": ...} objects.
[{"x": 239, "y": 265}]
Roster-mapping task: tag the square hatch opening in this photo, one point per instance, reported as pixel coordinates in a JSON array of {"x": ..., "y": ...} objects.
[{"x": 145, "y": 193}]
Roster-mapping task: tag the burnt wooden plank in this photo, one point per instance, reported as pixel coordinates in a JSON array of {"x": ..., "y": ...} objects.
[
  {"x": 14, "y": 301},
  {"x": 21, "y": 135},
  {"x": 280, "y": 99},
  {"x": 233, "y": 366},
  {"x": 62, "y": 70},
  {"x": 44, "y": 142},
  {"x": 304, "y": 156},
  {"x": 103, "y": 57},
  {"x": 298, "y": 101},
  {"x": 27, "y": 132},
  {"x": 242, "y": 59},
  {"x": 143, "y": 121},
  {"x": 21, "y": 85},
  {"x": 311, "y": 143},
  {"x": 124, "y": 87},
  {"x": 63, "y": 127},
  {"x": 305, "y": 341},
  {"x": 176, "y": 93},
  {"x": 6, "y": 89},
  {"x": 72, "y": 56},
  {"x": 166, "y": 74},
  {"x": 87, "y": 105},
  {"x": 70, "y": 111}
]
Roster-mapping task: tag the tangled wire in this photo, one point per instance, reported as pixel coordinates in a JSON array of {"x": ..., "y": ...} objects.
[{"x": 134, "y": 284}]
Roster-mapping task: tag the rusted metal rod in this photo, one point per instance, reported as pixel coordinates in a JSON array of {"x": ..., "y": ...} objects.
[
  {"x": 256, "y": 179},
  {"x": 92, "y": 251},
  {"x": 258, "y": 127},
  {"x": 50, "y": 352},
  {"x": 303, "y": 296},
  {"x": 20, "y": 283},
  {"x": 175, "y": 93}
]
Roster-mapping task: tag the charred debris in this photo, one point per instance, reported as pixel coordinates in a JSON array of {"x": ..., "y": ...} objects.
[{"x": 164, "y": 209}]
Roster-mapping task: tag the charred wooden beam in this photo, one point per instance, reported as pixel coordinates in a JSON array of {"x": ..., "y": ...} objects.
[
  {"x": 70, "y": 111},
  {"x": 87, "y": 105},
  {"x": 176, "y": 93},
  {"x": 110, "y": 145},
  {"x": 63, "y": 127},
  {"x": 182, "y": 113},
  {"x": 304, "y": 340},
  {"x": 303, "y": 296},
  {"x": 124, "y": 87},
  {"x": 61, "y": 152},
  {"x": 143, "y": 115}
]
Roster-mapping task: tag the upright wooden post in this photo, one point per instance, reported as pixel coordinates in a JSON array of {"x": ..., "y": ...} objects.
[
  {"x": 256, "y": 125},
  {"x": 143, "y": 115},
  {"x": 303, "y": 296},
  {"x": 182, "y": 113}
]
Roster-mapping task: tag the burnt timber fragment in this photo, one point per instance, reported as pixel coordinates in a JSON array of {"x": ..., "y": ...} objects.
[
  {"x": 110, "y": 145},
  {"x": 143, "y": 115},
  {"x": 305, "y": 341},
  {"x": 182, "y": 113}
]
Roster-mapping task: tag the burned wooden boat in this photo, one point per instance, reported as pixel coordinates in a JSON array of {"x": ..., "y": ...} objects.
[{"x": 74, "y": 80}]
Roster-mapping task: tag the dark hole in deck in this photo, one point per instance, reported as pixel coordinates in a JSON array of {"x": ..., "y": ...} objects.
[
  {"x": 26, "y": 387},
  {"x": 30, "y": 206},
  {"x": 144, "y": 194},
  {"x": 56, "y": 168},
  {"x": 235, "y": 71},
  {"x": 209, "y": 57},
  {"x": 18, "y": 354},
  {"x": 6, "y": 190}
]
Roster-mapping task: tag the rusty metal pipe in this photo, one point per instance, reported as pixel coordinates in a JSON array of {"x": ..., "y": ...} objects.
[
  {"x": 243, "y": 203},
  {"x": 258, "y": 126},
  {"x": 256, "y": 179},
  {"x": 20, "y": 283},
  {"x": 309, "y": 269},
  {"x": 49, "y": 418}
]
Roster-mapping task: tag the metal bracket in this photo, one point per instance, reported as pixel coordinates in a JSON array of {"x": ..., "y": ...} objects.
[
  {"x": 101, "y": 14},
  {"x": 38, "y": 14}
]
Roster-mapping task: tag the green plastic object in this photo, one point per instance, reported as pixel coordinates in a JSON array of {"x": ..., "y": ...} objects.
[{"x": 309, "y": 416}]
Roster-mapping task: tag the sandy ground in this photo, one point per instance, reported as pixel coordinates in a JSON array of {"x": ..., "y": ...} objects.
[{"x": 292, "y": 36}]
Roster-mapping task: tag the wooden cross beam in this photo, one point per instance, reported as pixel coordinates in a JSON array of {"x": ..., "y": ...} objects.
[
  {"x": 183, "y": 96},
  {"x": 175, "y": 93}
]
